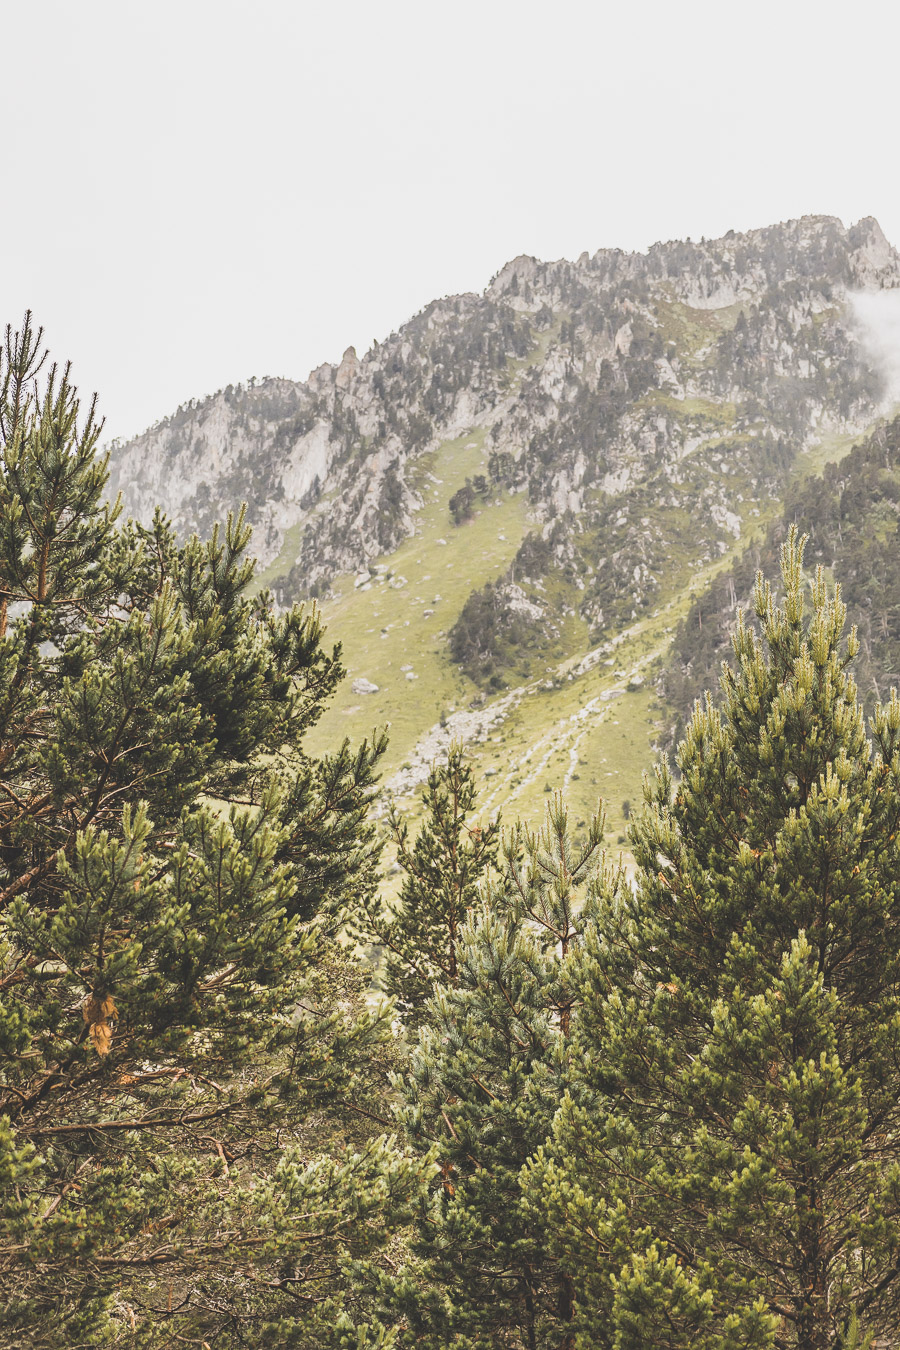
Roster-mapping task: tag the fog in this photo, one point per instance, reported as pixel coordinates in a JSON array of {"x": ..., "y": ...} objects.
[{"x": 877, "y": 315}]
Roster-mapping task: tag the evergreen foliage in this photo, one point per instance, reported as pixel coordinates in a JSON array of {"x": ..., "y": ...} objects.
[
  {"x": 725, "y": 1169},
  {"x": 661, "y": 1114},
  {"x": 172, "y": 864},
  {"x": 850, "y": 514},
  {"x": 485, "y": 1080},
  {"x": 442, "y": 870}
]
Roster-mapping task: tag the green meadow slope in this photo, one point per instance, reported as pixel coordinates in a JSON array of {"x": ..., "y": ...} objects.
[{"x": 587, "y": 723}]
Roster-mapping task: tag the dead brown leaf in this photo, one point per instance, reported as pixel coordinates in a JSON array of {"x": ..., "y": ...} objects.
[
  {"x": 101, "y": 1035},
  {"x": 100, "y": 1013}
]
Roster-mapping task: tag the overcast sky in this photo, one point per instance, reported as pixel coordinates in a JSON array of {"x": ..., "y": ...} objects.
[{"x": 201, "y": 191}]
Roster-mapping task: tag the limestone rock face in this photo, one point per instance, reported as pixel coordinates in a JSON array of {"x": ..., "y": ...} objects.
[
  {"x": 590, "y": 381},
  {"x": 347, "y": 369},
  {"x": 874, "y": 260}
]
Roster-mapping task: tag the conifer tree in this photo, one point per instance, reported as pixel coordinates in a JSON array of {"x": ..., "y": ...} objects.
[
  {"x": 442, "y": 869},
  {"x": 171, "y": 864},
  {"x": 725, "y": 1170},
  {"x": 485, "y": 1081}
]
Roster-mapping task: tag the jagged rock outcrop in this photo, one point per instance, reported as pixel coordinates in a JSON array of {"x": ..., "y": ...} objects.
[{"x": 615, "y": 390}]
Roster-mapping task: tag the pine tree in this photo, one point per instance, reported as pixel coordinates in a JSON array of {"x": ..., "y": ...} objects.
[
  {"x": 725, "y": 1170},
  {"x": 485, "y": 1081},
  {"x": 172, "y": 864},
  {"x": 442, "y": 869}
]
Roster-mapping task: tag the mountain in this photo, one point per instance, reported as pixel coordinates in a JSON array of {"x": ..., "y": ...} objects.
[
  {"x": 506, "y": 506},
  {"x": 851, "y": 514}
]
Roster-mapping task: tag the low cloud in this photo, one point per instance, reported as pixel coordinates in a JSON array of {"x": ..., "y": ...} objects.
[{"x": 877, "y": 315}]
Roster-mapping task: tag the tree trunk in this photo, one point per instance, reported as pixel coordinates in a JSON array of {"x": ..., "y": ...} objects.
[
  {"x": 566, "y": 1308},
  {"x": 812, "y": 1312}
]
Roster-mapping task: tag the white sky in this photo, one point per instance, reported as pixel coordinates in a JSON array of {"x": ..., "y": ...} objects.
[{"x": 198, "y": 191}]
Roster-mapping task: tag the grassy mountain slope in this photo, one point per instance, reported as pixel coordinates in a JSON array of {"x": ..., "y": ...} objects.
[{"x": 589, "y": 722}]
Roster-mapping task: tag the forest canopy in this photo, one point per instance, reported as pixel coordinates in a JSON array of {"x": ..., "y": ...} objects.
[{"x": 584, "y": 1108}]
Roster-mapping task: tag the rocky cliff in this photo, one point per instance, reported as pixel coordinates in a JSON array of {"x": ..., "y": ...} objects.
[{"x": 641, "y": 401}]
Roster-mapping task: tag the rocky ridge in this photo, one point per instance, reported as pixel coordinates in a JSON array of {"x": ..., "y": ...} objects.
[{"x": 643, "y": 402}]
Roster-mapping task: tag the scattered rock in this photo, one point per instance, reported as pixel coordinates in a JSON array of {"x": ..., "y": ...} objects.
[
  {"x": 470, "y": 727},
  {"x": 364, "y": 686}
]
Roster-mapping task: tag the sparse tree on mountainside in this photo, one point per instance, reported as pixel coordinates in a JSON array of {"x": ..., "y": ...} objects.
[
  {"x": 462, "y": 503},
  {"x": 725, "y": 1169},
  {"x": 850, "y": 513},
  {"x": 171, "y": 866}
]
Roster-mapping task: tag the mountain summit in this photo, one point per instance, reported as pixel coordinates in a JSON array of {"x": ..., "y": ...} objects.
[{"x": 587, "y": 377}]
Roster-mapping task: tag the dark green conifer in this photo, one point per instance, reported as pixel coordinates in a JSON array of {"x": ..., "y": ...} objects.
[
  {"x": 725, "y": 1171},
  {"x": 452, "y": 853},
  {"x": 486, "y": 1079},
  {"x": 167, "y": 1030}
]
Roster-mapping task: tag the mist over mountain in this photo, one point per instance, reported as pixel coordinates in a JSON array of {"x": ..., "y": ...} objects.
[{"x": 877, "y": 315}]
